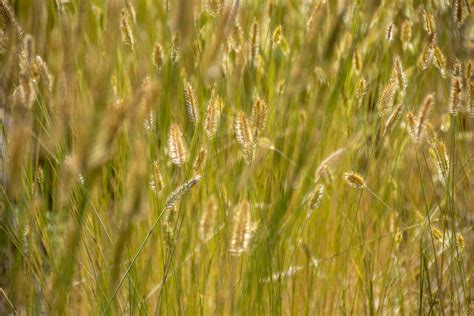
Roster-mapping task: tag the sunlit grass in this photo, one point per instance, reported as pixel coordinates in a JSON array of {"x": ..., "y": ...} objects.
[{"x": 236, "y": 157}]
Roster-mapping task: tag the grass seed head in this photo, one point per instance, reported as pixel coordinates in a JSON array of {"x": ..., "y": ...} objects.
[
  {"x": 460, "y": 240},
  {"x": 125, "y": 29},
  {"x": 439, "y": 61},
  {"x": 400, "y": 74},
  {"x": 393, "y": 118},
  {"x": 158, "y": 56},
  {"x": 426, "y": 56},
  {"x": 361, "y": 91},
  {"x": 213, "y": 114},
  {"x": 440, "y": 157},
  {"x": 254, "y": 42},
  {"x": 455, "y": 95},
  {"x": 354, "y": 180},
  {"x": 436, "y": 234},
  {"x": 470, "y": 99},
  {"x": 177, "y": 194},
  {"x": 156, "y": 180},
  {"x": 423, "y": 116},
  {"x": 386, "y": 97},
  {"x": 200, "y": 160},
  {"x": 191, "y": 103},
  {"x": 406, "y": 33},
  {"x": 259, "y": 116},
  {"x": 242, "y": 229},
  {"x": 178, "y": 150},
  {"x": 243, "y": 132},
  {"x": 429, "y": 24},
  {"x": 315, "y": 199}
]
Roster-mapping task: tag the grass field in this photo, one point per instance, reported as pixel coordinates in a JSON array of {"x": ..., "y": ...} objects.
[{"x": 201, "y": 157}]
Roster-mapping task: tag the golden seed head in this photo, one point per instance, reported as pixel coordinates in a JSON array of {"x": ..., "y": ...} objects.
[
  {"x": 426, "y": 56},
  {"x": 315, "y": 199},
  {"x": 259, "y": 116},
  {"x": 436, "y": 234},
  {"x": 156, "y": 180},
  {"x": 245, "y": 136},
  {"x": 201, "y": 159},
  {"x": 213, "y": 114},
  {"x": 398, "y": 238},
  {"x": 411, "y": 120},
  {"x": 158, "y": 56},
  {"x": 131, "y": 10},
  {"x": 125, "y": 29},
  {"x": 429, "y": 24},
  {"x": 177, "y": 148},
  {"x": 393, "y": 118},
  {"x": 441, "y": 158},
  {"x": 439, "y": 61},
  {"x": 468, "y": 71},
  {"x": 214, "y": 6},
  {"x": 386, "y": 97},
  {"x": 459, "y": 12},
  {"x": 460, "y": 240},
  {"x": 400, "y": 74},
  {"x": 354, "y": 180},
  {"x": 242, "y": 229},
  {"x": 470, "y": 99},
  {"x": 361, "y": 91},
  {"x": 43, "y": 72},
  {"x": 175, "y": 196},
  {"x": 357, "y": 61},
  {"x": 277, "y": 37},
  {"x": 455, "y": 95},
  {"x": 191, "y": 103},
  {"x": 405, "y": 33},
  {"x": 423, "y": 116},
  {"x": 254, "y": 42},
  {"x": 170, "y": 223}
]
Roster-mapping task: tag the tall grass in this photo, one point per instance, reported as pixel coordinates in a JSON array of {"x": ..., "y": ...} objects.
[{"x": 236, "y": 157}]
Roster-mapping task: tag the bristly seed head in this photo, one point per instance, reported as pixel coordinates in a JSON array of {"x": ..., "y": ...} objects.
[
  {"x": 158, "y": 56},
  {"x": 355, "y": 180},
  {"x": 440, "y": 156},
  {"x": 386, "y": 97},
  {"x": 436, "y": 234},
  {"x": 423, "y": 116},
  {"x": 242, "y": 229},
  {"x": 125, "y": 29},
  {"x": 439, "y": 61},
  {"x": 361, "y": 91},
  {"x": 178, "y": 150},
  {"x": 455, "y": 95},
  {"x": 259, "y": 116},
  {"x": 191, "y": 103},
  {"x": 245, "y": 136},
  {"x": 201, "y": 159},
  {"x": 156, "y": 180},
  {"x": 315, "y": 199},
  {"x": 213, "y": 114}
]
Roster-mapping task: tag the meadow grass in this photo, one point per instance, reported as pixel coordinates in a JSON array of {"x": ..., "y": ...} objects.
[{"x": 236, "y": 157}]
